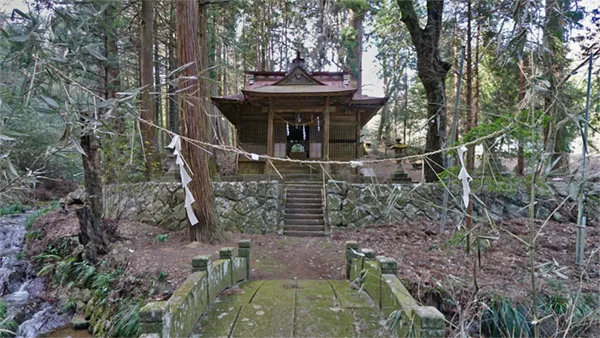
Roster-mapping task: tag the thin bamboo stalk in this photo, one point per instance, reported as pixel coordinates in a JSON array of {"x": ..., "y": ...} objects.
[
  {"x": 449, "y": 158},
  {"x": 579, "y": 251}
]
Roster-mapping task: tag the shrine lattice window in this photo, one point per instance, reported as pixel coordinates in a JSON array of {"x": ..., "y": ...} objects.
[
  {"x": 253, "y": 137},
  {"x": 342, "y": 141}
]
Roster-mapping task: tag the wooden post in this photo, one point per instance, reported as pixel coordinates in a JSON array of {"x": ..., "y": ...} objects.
[
  {"x": 238, "y": 120},
  {"x": 358, "y": 152},
  {"x": 326, "y": 131},
  {"x": 271, "y": 134}
]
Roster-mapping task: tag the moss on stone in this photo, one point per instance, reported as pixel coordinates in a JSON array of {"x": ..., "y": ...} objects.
[
  {"x": 219, "y": 278},
  {"x": 394, "y": 296},
  {"x": 239, "y": 269},
  {"x": 368, "y": 322},
  {"x": 373, "y": 281},
  {"x": 349, "y": 297},
  {"x": 265, "y": 321},
  {"x": 318, "y": 314},
  {"x": 153, "y": 312},
  {"x": 219, "y": 321},
  {"x": 187, "y": 304}
]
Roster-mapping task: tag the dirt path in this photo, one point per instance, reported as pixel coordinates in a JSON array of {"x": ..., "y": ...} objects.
[{"x": 146, "y": 254}]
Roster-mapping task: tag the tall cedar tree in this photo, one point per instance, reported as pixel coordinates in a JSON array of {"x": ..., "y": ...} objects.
[
  {"x": 149, "y": 134},
  {"x": 194, "y": 120},
  {"x": 111, "y": 86},
  {"x": 432, "y": 71}
]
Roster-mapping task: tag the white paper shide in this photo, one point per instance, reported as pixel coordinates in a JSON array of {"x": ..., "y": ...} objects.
[{"x": 185, "y": 178}]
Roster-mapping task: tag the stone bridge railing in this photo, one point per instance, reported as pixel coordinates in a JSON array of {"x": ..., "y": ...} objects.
[
  {"x": 178, "y": 316},
  {"x": 379, "y": 280}
]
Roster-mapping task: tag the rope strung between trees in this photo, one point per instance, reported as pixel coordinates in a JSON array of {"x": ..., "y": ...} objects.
[{"x": 202, "y": 145}]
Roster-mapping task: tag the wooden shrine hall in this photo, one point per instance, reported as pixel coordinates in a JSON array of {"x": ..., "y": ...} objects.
[{"x": 298, "y": 114}]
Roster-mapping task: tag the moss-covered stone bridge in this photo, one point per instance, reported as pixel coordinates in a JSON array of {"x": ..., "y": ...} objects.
[{"x": 219, "y": 300}]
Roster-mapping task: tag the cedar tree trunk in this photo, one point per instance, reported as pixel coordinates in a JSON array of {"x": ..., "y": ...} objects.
[
  {"x": 149, "y": 136},
  {"x": 194, "y": 121}
]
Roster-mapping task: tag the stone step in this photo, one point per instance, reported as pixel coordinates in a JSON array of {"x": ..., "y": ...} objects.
[
  {"x": 307, "y": 206},
  {"x": 304, "y": 216},
  {"x": 303, "y": 177},
  {"x": 301, "y": 221},
  {"x": 309, "y": 200},
  {"x": 303, "y": 211},
  {"x": 309, "y": 189},
  {"x": 305, "y": 194},
  {"x": 304, "y": 233},
  {"x": 311, "y": 228},
  {"x": 304, "y": 183}
]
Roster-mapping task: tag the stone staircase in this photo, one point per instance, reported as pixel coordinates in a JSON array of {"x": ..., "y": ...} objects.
[{"x": 304, "y": 209}]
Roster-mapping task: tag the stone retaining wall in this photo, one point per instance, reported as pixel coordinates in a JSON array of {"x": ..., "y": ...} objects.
[
  {"x": 377, "y": 276},
  {"x": 352, "y": 205},
  {"x": 247, "y": 207},
  {"x": 157, "y": 203},
  {"x": 257, "y": 207},
  {"x": 178, "y": 316}
]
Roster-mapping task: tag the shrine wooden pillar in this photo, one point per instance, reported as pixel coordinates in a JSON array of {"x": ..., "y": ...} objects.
[
  {"x": 238, "y": 125},
  {"x": 358, "y": 150},
  {"x": 270, "y": 131},
  {"x": 326, "y": 130}
]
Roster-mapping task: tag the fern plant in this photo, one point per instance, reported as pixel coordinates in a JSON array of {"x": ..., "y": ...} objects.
[
  {"x": 502, "y": 318},
  {"x": 7, "y": 325},
  {"x": 126, "y": 320}
]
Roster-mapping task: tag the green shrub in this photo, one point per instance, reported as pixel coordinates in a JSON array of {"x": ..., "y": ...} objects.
[
  {"x": 7, "y": 325},
  {"x": 34, "y": 235},
  {"x": 70, "y": 305},
  {"x": 13, "y": 209},
  {"x": 34, "y": 217},
  {"x": 162, "y": 276}
]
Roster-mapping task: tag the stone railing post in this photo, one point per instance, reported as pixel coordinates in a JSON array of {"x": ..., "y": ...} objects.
[
  {"x": 244, "y": 250},
  {"x": 350, "y": 247},
  {"x": 151, "y": 318},
  {"x": 388, "y": 265},
  {"x": 429, "y": 322},
  {"x": 201, "y": 263},
  {"x": 226, "y": 253},
  {"x": 369, "y": 254}
]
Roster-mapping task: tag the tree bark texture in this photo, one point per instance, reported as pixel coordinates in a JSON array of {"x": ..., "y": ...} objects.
[
  {"x": 111, "y": 86},
  {"x": 157, "y": 88},
  {"x": 432, "y": 71},
  {"x": 90, "y": 215},
  {"x": 149, "y": 134},
  {"x": 194, "y": 121},
  {"x": 356, "y": 57},
  {"x": 173, "y": 112}
]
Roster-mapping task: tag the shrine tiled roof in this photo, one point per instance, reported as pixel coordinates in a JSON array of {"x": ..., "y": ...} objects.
[{"x": 300, "y": 89}]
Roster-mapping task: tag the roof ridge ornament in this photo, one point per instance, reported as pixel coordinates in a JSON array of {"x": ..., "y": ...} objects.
[{"x": 298, "y": 62}]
